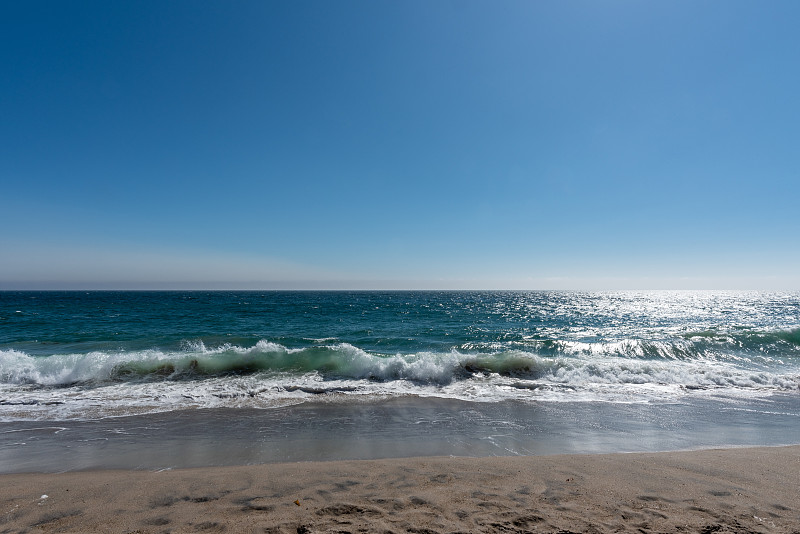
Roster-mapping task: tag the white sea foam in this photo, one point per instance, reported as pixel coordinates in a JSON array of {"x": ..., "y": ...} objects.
[{"x": 268, "y": 374}]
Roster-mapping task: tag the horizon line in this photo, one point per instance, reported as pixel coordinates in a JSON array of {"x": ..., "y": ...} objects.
[{"x": 379, "y": 290}]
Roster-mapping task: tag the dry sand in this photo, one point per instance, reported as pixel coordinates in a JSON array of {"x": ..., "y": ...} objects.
[{"x": 733, "y": 490}]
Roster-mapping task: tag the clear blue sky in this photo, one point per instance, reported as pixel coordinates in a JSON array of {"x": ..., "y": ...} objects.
[{"x": 400, "y": 144}]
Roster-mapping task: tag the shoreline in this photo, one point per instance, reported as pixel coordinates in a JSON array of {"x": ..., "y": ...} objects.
[
  {"x": 393, "y": 428},
  {"x": 742, "y": 489}
]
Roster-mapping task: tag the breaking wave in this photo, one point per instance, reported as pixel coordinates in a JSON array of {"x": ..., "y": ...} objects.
[{"x": 694, "y": 362}]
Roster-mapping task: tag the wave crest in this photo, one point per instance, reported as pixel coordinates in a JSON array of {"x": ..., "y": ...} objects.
[{"x": 343, "y": 361}]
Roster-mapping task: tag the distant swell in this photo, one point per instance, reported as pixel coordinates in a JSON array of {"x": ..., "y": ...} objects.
[{"x": 700, "y": 345}]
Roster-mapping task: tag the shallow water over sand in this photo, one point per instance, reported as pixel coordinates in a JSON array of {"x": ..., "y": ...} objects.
[{"x": 398, "y": 427}]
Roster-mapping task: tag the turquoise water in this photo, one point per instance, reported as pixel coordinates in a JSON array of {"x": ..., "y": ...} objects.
[{"x": 89, "y": 355}]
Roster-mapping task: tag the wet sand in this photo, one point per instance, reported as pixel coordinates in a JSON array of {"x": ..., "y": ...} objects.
[
  {"x": 719, "y": 490},
  {"x": 393, "y": 428}
]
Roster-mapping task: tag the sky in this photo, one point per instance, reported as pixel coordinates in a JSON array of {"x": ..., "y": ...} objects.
[{"x": 362, "y": 144}]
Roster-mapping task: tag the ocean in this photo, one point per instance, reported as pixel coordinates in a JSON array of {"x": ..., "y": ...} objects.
[{"x": 251, "y": 376}]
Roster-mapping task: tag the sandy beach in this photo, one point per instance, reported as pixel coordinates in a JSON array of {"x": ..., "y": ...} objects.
[{"x": 720, "y": 490}]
